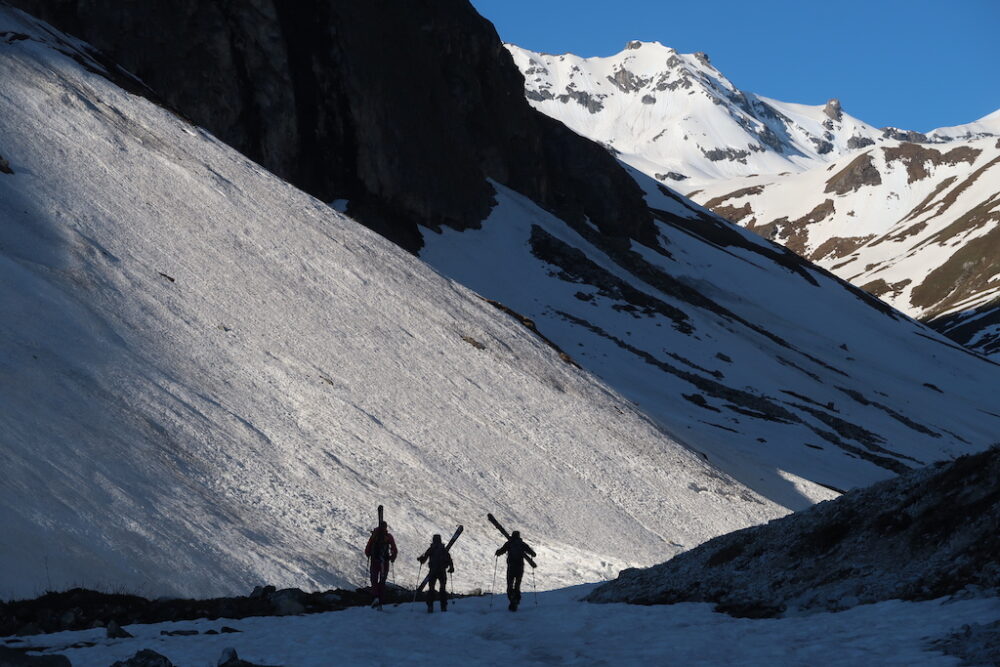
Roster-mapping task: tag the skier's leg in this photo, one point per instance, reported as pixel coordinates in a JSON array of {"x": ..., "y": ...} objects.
[
  {"x": 516, "y": 599},
  {"x": 373, "y": 569},
  {"x": 444, "y": 592},
  {"x": 383, "y": 576},
  {"x": 431, "y": 583}
]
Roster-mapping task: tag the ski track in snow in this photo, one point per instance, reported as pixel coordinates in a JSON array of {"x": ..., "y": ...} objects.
[{"x": 556, "y": 630}]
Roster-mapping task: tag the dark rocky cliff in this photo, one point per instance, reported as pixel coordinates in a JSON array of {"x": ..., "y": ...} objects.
[{"x": 403, "y": 108}]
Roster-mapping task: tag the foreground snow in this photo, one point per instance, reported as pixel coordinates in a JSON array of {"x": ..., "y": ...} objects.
[{"x": 557, "y": 629}]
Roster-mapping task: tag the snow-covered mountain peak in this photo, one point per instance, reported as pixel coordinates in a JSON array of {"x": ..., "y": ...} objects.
[
  {"x": 987, "y": 126},
  {"x": 675, "y": 116}
]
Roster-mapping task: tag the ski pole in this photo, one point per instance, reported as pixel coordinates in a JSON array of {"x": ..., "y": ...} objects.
[
  {"x": 417, "y": 585},
  {"x": 533, "y": 588},
  {"x": 496, "y": 561}
]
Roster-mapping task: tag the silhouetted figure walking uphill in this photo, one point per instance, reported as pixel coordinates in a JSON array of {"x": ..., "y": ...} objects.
[
  {"x": 381, "y": 550},
  {"x": 439, "y": 564},
  {"x": 517, "y": 552}
]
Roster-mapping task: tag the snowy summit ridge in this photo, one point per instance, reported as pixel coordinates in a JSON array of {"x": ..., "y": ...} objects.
[{"x": 676, "y": 117}]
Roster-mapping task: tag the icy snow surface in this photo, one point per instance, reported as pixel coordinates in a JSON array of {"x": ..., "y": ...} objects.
[
  {"x": 209, "y": 380},
  {"x": 556, "y": 630}
]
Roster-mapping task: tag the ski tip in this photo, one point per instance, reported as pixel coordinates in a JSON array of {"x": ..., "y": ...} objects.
[{"x": 490, "y": 517}]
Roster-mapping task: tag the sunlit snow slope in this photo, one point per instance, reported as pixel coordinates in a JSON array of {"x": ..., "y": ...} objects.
[
  {"x": 782, "y": 374},
  {"x": 209, "y": 380}
]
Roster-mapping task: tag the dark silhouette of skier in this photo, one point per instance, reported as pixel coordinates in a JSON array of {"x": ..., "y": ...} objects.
[
  {"x": 381, "y": 550},
  {"x": 516, "y": 551},
  {"x": 439, "y": 564}
]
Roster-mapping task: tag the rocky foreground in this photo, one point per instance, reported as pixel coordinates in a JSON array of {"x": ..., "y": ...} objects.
[{"x": 924, "y": 535}]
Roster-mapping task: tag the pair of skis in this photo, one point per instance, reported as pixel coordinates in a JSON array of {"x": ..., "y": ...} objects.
[
  {"x": 492, "y": 519},
  {"x": 447, "y": 547}
]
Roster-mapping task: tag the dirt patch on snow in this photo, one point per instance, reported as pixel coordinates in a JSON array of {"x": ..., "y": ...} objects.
[
  {"x": 860, "y": 172},
  {"x": 736, "y": 194},
  {"x": 839, "y": 246},
  {"x": 793, "y": 234},
  {"x": 972, "y": 269},
  {"x": 953, "y": 195},
  {"x": 916, "y": 158},
  {"x": 880, "y": 287}
]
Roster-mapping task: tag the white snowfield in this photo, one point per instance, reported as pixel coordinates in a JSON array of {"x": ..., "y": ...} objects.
[
  {"x": 556, "y": 630},
  {"x": 664, "y": 111},
  {"x": 209, "y": 380}
]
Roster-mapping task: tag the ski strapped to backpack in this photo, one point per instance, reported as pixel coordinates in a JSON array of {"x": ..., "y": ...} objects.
[
  {"x": 458, "y": 531},
  {"x": 492, "y": 519}
]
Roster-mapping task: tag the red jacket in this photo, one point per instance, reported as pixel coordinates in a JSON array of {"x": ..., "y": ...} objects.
[{"x": 381, "y": 546}]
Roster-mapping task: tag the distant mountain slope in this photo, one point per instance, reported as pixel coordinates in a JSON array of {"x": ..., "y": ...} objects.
[
  {"x": 917, "y": 225},
  {"x": 677, "y": 118},
  {"x": 912, "y": 218},
  {"x": 209, "y": 380},
  {"x": 928, "y": 534}
]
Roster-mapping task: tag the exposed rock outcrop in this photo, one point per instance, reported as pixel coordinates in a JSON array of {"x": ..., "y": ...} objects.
[
  {"x": 929, "y": 533},
  {"x": 403, "y": 109},
  {"x": 833, "y": 110},
  {"x": 860, "y": 172}
]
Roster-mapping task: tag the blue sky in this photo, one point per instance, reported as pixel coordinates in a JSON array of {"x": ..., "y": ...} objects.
[{"x": 914, "y": 64}]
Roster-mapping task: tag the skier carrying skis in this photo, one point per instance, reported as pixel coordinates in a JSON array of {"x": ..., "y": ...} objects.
[
  {"x": 381, "y": 550},
  {"x": 439, "y": 564},
  {"x": 517, "y": 551}
]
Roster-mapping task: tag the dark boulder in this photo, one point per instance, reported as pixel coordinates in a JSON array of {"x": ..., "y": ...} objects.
[
  {"x": 145, "y": 658},
  {"x": 229, "y": 658},
  {"x": 115, "y": 631}
]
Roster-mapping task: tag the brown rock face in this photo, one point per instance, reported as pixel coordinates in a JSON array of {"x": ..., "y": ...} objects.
[
  {"x": 833, "y": 110},
  {"x": 916, "y": 158},
  {"x": 860, "y": 172},
  {"x": 403, "y": 108}
]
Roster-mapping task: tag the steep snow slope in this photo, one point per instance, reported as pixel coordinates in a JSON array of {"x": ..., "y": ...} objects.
[
  {"x": 917, "y": 225},
  {"x": 675, "y": 117},
  {"x": 778, "y": 371},
  {"x": 209, "y": 379}
]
